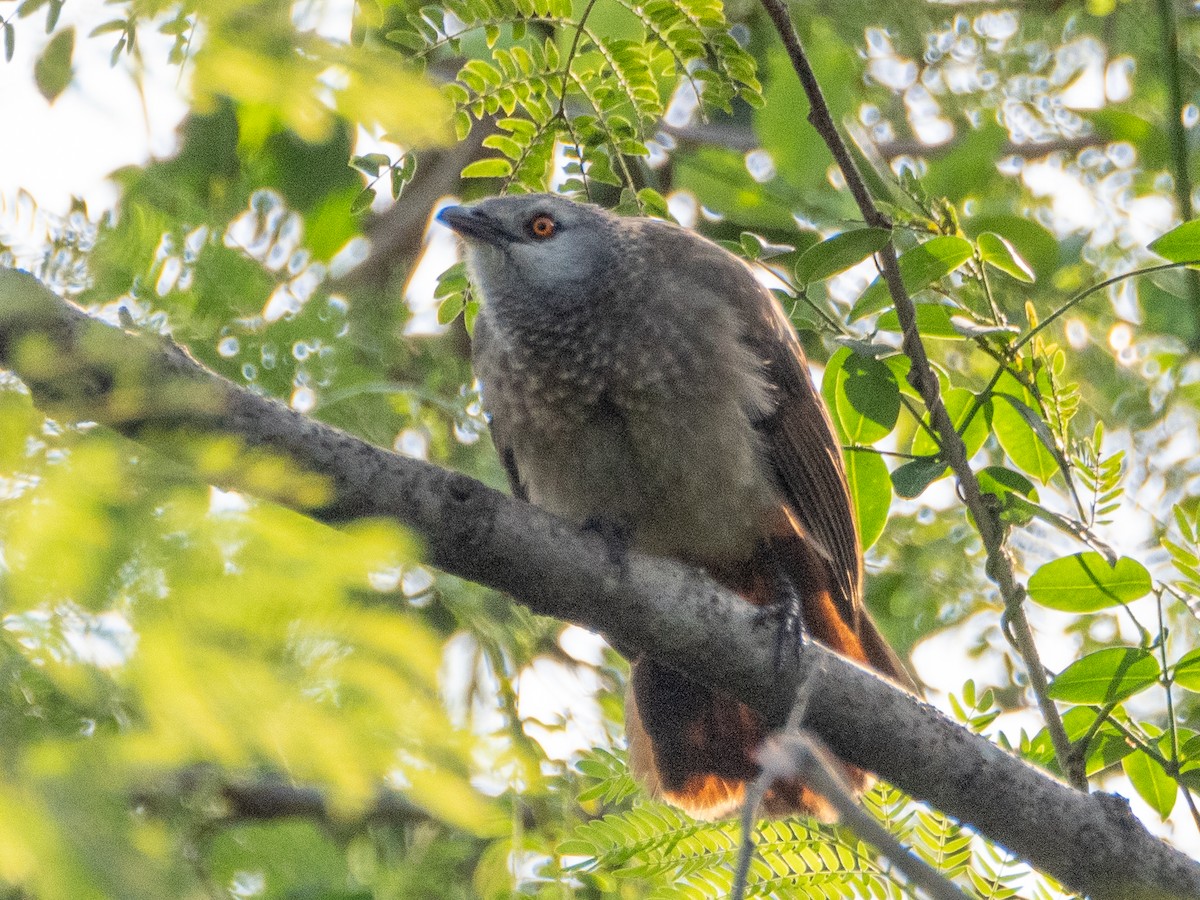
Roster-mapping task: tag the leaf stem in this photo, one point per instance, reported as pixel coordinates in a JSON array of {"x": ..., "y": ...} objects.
[{"x": 1087, "y": 292}]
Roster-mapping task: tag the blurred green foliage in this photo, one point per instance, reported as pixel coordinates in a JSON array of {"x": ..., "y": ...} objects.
[{"x": 204, "y": 695}]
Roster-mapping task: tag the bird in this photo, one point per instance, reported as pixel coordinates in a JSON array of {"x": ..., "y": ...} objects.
[{"x": 639, "y": 380}]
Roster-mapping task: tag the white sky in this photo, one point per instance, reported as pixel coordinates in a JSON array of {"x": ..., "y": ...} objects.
[{"x": 97, "y": 125}]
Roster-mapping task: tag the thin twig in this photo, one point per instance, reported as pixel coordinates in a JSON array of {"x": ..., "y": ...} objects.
[
  {"x": 579, "y": 30},
  {"x": 987, "y": 522},
  {"x": 1167, "y": 683},
  {"x": 795, "y": 753},
  {"x": 820, "y": 117},
  {"x": 803, "y": 755},
  {"x": 1087, "y": 292},
  {"x": 758, "y": 789},
  {"x": 893, "y": 454}
]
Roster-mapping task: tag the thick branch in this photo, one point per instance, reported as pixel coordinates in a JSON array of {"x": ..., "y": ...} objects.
[
  {"x": 82, "y": 369},
  {"x": 242, "y": 800}
]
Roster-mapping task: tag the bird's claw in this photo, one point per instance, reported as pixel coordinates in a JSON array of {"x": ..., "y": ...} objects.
[
  {"x": 617, "y": 536},
  {"x": 786, "y": 614}
]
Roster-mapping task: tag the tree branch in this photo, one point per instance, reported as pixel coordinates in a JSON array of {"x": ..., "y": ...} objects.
[
  {"x": 152, "y": 391},
  {"x": 987, "y": 521},
  {"x": 801, "y": 755},
  {"x": 233, "y": 801}
]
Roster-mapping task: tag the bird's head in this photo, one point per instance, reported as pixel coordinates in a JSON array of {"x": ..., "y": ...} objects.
[{"x": 540, "y": 249}]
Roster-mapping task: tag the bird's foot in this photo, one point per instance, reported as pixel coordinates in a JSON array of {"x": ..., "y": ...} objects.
[
  {"x": 786, "y": 614},
  {"x": 617, "y": 536}
]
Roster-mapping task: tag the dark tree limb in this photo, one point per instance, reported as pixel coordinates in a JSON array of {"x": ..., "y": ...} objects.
[
  {"x": 151, "y": 391},
  {"x": 227, "y": 801}
]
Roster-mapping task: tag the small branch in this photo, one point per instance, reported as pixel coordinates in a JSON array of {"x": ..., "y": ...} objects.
[
  {"x": 999, "y": 563},
  {"x": 759, "y": 787},
  {"x": 1087, "y": 292},
  {"x": 803, "y": 756},
  {"x": 742, "y": 139},
  {"x": 1026, "y": 149},
  {"x": 820, "y": 117},
  {"x": 793, "y": 753},
  {"x": 231, "y": 801}
]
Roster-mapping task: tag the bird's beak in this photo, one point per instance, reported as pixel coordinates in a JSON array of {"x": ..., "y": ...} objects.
[{"x": 473, "y": 223}]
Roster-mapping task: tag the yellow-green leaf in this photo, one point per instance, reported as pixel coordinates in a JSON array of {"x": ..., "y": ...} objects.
[
  {"x": 52, "y": 71},
  {"x": 1085, "y": 582},
  {"x": 488, "y": 168}
]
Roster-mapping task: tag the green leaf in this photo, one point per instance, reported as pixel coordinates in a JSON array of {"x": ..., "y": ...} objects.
[
  {"x": 1180, "y": 244},
  {"x": 52, "y": 71},
  {"x": 933, "y": 321},
  {"x": 362, "y": 201},
  {"x": 1001, "y": 481},
  {"x": 449, "y": 308},
  {"x": 108, "y": 27},
  {"x": 1106, "y": 676},
  {"x": 1186, "y": 672},
  {"x": 758, "y": 247},
  {"x": 452, "y": 281},
  {"x": 1017, "y": 495},
  {"x": 1085, "y": 582},
  {"x": 506, "y": 145},
  {"x": 29, "y": 7},
  {"x": 999, "y": 253},
  {"x": 911, "y": 479},
  {"x": 863, "y": 396},
  {"x": 370, "y": 163},
  {"x": 399, "y": 178},
  {"x": 1036, "y": 245},
  {"x": 10, "y": 41},
  {"x": 839, "y": 253},
  {"x": 1153, "y": 785},
  {"x": 1022, "y": 434},
  {"x": 959, "y": 403},
  {"x": 177, "y": 26},
  {"x": 919, "y": 267},
  {"x": 871, "y": 491},
  {"x": 654, "y": 203},
  {"x": 470, "y": 313},
  {"x": 488, "y": 168}
]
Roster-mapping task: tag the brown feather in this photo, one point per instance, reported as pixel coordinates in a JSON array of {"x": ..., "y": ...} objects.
[{"x": 697, "y": 747}]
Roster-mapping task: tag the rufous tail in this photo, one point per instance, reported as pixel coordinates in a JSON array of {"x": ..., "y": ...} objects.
[{"x": 696, "y": 747}]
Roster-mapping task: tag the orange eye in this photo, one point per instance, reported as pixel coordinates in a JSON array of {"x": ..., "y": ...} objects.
[{"x": 542, "y": 226}]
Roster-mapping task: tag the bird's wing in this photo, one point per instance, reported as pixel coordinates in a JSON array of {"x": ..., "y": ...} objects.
[
  {"x": 797, "y": 433},
  {"x": 803, "y": 449},
  {"x": 806, "y": 457}
]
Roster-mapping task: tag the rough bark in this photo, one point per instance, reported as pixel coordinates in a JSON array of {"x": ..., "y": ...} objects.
[{"x": 82, "y": 369}]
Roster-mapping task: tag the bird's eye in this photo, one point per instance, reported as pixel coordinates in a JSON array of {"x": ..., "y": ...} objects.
[{"x": 542, "y": 226}]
